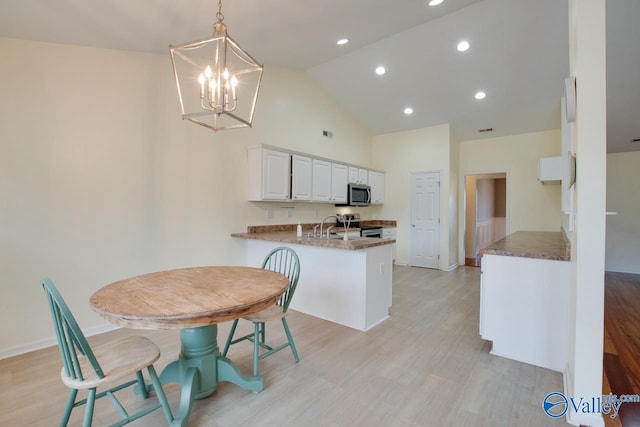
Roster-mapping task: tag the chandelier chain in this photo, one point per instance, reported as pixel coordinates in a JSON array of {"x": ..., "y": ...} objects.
[{"x": 219, "y": 15}]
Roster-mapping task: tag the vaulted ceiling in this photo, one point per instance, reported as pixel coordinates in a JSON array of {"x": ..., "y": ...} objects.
[{"x": 518, "y": 55}]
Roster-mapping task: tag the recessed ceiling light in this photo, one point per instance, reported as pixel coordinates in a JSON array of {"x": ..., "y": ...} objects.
[
  {"x": 463, "y": 46},
  {"x": 380, "y": 70},
  {"x": 480, "y": 95},
  {"x": 342, "y": 41},
  {"x": 435, "y": 2},
  {"x": 408, "y": 111}
]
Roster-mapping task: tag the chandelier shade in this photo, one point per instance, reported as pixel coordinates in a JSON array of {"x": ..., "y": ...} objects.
[{"x": 217, "y": 81}]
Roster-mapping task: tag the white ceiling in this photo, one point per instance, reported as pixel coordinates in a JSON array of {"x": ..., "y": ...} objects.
[{"x": 518, "y": 56}]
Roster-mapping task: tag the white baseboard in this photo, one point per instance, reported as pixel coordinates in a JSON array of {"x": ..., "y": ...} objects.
[
  {"x": 452, "y": 267},
  {"x": 5, "y": 353}
]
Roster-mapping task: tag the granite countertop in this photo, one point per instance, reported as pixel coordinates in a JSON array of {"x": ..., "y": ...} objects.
[
  {"x": 286, "y": 233},
  {"x": 354, "y": 243},
  {"x": 532, "y": 244}
]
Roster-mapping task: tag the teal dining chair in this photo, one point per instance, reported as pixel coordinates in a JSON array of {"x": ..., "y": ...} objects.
[
  {"x": 283, "y": 260},
  {"x": 116, "y": 365}
]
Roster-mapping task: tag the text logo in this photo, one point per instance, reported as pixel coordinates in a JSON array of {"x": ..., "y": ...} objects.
[{"x": 555, "y": 404}]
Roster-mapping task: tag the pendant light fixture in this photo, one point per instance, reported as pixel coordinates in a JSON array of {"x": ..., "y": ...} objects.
[{"x": 217, "y": 81}]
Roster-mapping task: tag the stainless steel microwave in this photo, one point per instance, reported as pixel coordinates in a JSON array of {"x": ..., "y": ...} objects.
[{"x": 358, "y": 195}]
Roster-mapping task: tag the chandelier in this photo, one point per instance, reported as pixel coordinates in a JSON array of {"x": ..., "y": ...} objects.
[{"x": 217, "y": 80}]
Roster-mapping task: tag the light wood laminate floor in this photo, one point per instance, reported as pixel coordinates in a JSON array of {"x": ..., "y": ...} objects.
[{"x": 425, "y": 366}]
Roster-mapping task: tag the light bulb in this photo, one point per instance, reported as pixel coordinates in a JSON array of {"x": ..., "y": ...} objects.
[
  {"x": 207, "y": 72},
  {"x": 234, "y": 83},
  {"x": 201, "y": 80},
  {"x": 463, "y": 46}
]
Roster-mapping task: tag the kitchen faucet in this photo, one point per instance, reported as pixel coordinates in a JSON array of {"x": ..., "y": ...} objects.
[{"x": 322, "y": 223}]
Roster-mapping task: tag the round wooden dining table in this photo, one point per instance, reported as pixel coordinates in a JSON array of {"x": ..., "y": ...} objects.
[{"x": 193, "y": 300}]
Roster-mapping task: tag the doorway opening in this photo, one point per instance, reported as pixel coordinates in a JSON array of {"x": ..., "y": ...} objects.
[{"x": 485, "y": 213}]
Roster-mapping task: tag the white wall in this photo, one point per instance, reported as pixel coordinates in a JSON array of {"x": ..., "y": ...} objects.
[
  {"x": 530, "y": 204},
  {"x": 100, "y": 179},
  {"x": 623, "y": 197},
  {"x": 589, "y": 138},
  {"x": 454, "y": 207},
  {"x": 399, "y": 154}
]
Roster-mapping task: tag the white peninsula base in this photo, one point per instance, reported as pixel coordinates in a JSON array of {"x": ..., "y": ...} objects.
[
  {"x": 524, "y": 306},
  {"x": 349, "y": 287}
]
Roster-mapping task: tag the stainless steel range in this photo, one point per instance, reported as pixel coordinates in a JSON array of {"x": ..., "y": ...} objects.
[{"x": 354, "y": 222}]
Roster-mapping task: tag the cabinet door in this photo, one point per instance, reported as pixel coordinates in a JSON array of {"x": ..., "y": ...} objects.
[
  {"x": 354, "y": 174},
  {"x": 363, "y": 176},
  {"x": 339, "y": 181},
  {"x": 321, "y": 188},
  {"x": 376, "y": 181},
  {"x": 300, "y": 177},
  {"x": 275, "y": 175}
]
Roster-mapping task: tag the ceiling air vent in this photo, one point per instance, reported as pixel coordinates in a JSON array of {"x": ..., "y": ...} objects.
[{"x": 485, "y": 130}]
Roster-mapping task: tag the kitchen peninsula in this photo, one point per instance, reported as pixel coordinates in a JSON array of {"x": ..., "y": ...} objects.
[
  {"x": 344, "y": 281},
  {"x": 524, "y": 298}
]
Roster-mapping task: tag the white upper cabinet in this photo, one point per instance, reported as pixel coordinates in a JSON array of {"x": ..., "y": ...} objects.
[
  {"x": 358, "y": 175},
  {"x": 353, "y": 174},
  {"x": 329, "y": 181},
  {"x": 321, "y": 181},
  {"x": 301, "y": 172},
  {"x": 278, "y": 174},
  {"x": 268, "y": 174},
  {"x": 550, "y": 169},
  {"x": 363, "y": 176},
  {"x": 376, "y": 181},
  {"x": 339, "y": 181}
]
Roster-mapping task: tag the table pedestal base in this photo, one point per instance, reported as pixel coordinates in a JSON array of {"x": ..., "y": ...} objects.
[{"x": 200, "y": 367}]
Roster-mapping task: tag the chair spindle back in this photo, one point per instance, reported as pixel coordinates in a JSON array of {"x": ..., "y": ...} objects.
[
  {"x": 71, "y": 341},
  {"x": 285, "y": 261}
]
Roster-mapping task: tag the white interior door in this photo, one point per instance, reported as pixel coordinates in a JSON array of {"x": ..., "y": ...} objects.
[{"x": 425, "y": 219}]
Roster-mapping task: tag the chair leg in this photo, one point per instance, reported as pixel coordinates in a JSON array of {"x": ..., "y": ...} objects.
[
  {"x": 157, "y": 386},
  {"x": 144, "y": 390},
  {"x": 290, "y": 338},
  {"x": 88, "y": 410},
  {"x": 230, "y": 337},
  {"x": 68, "y": 407},
  {"x": 263, "y": 332},
  {"x": 256, "y": 346}
]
